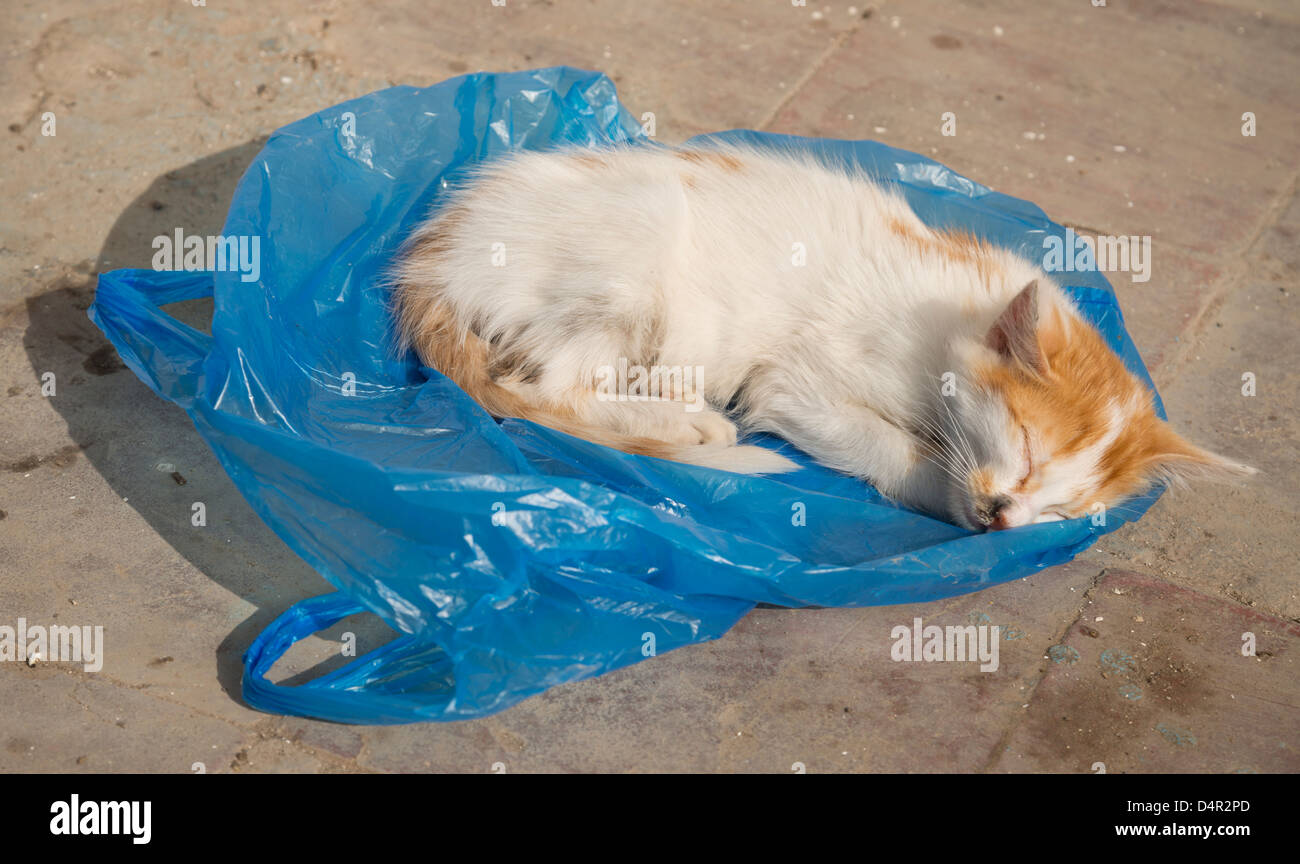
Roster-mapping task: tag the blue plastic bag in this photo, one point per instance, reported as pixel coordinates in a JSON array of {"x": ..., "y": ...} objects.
[{"x": 510, "y": 557}]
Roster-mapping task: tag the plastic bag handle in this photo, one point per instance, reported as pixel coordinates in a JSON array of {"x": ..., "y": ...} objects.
[
  {"x": 166, "y": 354},
  {"x": 317, "y": 698}
]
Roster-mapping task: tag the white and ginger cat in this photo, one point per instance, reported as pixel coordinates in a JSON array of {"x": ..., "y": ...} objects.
[{"x": 811, "y": 302}]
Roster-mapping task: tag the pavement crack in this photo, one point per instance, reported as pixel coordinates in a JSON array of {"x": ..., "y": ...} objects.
[
  {"x": 797, "y": 87},
  {"x": 1235, "y": 275},
  {"x": 1004, "y": 739}
]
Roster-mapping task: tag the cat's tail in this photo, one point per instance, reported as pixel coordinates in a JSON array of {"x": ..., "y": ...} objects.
[
  {"x": 427, "y": 324},
  {"x": 740, "y": 458}
]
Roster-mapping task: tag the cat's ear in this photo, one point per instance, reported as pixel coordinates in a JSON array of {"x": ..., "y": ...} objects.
[
  {"x": 1014, "y": 336},
  {"x": 1176, "y": 461}
]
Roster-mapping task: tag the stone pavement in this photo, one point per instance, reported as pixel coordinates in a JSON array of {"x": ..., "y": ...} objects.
[{"x": 1118, "y": 120}]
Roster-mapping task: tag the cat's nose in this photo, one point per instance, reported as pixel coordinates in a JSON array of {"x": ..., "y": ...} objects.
[{"x": 992, "y": 513}]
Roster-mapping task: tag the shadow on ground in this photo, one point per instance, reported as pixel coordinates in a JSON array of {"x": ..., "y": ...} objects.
[{"x": 111, "y": 406}]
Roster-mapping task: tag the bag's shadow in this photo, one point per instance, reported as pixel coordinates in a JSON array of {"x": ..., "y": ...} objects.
[{"x": 105, "y": 405}]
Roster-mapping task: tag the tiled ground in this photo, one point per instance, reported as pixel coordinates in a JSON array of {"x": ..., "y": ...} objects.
[{"x": 1123, "y": 119}]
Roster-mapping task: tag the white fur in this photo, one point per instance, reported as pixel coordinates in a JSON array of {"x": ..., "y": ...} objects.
[{"x": 640, "y": 253}]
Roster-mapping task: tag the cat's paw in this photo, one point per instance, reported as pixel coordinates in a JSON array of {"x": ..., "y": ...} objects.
[{"x": 713, "y": 428}]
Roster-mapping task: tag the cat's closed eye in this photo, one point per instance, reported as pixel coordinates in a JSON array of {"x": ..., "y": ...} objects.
[{"x": 1029, "y": 459}]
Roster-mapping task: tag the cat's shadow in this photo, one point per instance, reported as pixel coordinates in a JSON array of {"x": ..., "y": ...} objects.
[{"x": 102, "y": 402}]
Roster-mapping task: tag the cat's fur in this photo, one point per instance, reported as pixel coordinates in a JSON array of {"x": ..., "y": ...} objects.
[{"x": 952, "y": 374}]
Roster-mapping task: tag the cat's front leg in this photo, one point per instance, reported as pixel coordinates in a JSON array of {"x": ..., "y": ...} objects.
[
  {"x": 664, "y": 421},
  {"x": 847, "y": 436},
  {"x": 927, "y": 484},
  {"x": 853, "y": 438}
]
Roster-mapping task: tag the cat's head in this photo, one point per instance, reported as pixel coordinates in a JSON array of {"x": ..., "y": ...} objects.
[{"x": 1047, "y": 423}]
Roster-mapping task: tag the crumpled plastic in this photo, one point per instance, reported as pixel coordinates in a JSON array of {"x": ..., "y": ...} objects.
[{"x": 508, "y": 557}]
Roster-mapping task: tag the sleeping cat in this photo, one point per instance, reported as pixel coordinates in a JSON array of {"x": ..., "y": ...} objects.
[{"x": 809, "y": 301}]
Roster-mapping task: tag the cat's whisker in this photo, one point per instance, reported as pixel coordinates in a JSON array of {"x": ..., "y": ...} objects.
[
  {"x": 951, "y": 472},
  {"x": 935, "y": 446},
  {"x": 944, "y": 461},
  {"x": 964, "y": 446},
  {"x": 938, "y": 431},
  {"x": 963, "y": 439},
  {"x": 956, "y": 467}
]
